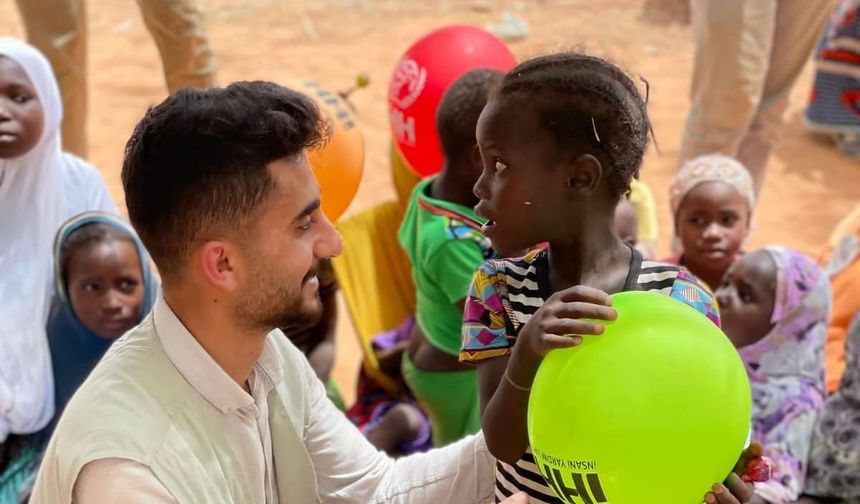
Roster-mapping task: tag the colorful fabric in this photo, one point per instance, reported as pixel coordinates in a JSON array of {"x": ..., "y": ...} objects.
[
  {"x": 841, "y": 261},
  {"x": 18, "y": 471},
  {"x": 450, "y": 399},
  {"x": 834, "y": 461},
  {"x": 374, "y": 400},
  {"x": 504, "y": 296},
  {"x": 786, "y": 371},
  {"x": 835, "y": 103},
  {"x": 711, "y": 168},
  {"x": 445, "y": 246}
]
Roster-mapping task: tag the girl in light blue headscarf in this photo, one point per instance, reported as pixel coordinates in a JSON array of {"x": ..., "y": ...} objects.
[{"x": 104, "y": 286}]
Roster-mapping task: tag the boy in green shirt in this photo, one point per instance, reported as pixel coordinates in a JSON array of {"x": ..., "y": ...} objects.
[{"x": 442, "y": 236}]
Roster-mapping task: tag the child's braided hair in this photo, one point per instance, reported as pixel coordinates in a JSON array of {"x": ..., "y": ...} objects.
[{"x": 586, "y": 103}]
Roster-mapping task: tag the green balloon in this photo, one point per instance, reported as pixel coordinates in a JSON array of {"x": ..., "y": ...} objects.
[{"x": 655, "y": 410}]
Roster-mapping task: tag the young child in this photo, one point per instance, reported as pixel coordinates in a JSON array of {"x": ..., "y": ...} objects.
[
  {"x": 775, "y": 305},
  {"x": 712, "y": 200},
  {"x": 561, "y": 139},
  {"x": 40, "y": 187},
  {"x": 104, "y": 287},
  {"x": 442, "y": 237}
]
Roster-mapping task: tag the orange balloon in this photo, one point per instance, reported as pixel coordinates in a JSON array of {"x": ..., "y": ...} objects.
[{"x": 339, "y": 164}]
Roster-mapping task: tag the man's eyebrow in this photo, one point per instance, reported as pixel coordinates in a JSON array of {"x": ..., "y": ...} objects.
[{"x": 312, "y": 207}]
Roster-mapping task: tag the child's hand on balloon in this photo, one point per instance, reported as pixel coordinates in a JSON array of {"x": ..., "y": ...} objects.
[
  {"x": 733, "y": 491},
  {"x": 562, "y": 321}
]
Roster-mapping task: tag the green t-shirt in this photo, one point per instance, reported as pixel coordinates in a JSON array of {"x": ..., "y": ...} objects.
[{"x": 445, "y": 246}]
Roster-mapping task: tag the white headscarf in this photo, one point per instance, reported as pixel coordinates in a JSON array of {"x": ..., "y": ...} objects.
[{"x": 32, "y": 208}]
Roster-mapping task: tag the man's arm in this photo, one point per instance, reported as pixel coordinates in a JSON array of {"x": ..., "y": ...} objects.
[
  {"x": 111, "y": 480},
  {"x": 349, "y": 469}
]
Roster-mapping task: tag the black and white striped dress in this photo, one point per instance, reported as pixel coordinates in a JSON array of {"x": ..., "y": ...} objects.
[{"x": 519, "y": 287}]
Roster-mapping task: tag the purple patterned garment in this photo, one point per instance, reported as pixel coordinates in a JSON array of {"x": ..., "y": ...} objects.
[
  {"x": 786, "y": 370},
  {"x": 834, "y": 462}
]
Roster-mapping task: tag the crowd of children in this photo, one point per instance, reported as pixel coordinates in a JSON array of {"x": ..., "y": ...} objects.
[{"x": 525, "y": 232}]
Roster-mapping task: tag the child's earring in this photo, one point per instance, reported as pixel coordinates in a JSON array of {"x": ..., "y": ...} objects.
[{"x": 500, "y": 166}]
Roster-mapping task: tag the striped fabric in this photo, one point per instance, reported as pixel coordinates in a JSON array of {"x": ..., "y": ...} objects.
[
  {"x": 835, "y": 103},
  {"x": 504, "y": 296}
]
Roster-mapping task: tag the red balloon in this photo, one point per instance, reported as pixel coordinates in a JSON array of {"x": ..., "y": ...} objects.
[{"x": 420, "y": 79}]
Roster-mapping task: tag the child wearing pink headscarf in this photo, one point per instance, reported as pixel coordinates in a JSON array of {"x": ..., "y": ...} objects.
[
  {"x": 775, "y": 306},
  {"x": 712, "y": 199}
]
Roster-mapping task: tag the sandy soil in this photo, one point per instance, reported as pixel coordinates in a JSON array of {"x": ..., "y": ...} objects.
[{"x": 809, "y": 187}]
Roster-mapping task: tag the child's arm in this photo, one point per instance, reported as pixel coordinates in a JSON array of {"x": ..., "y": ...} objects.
[{"x": 505, "y": 382}]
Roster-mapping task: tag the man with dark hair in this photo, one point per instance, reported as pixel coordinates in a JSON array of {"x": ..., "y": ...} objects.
[{"x": 205, "y": 401}]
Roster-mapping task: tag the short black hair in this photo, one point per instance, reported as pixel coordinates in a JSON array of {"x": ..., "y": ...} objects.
[
  {"x": 86, "y": 235},
  {"x": 458, "y": 112},
  {"x": 196, "y": 164},
  {"x": 588, "y": 105}
]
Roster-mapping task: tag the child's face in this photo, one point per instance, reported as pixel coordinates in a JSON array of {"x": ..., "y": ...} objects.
[
  {"x": 21, "y": 118},
  {"x": 746, "y": 298},
  {"x": 627, "y": 222},
  {"x": 519, "y": 192},
  {"x": 105, "y": 287},
  {"x": 712, "y": 223}
]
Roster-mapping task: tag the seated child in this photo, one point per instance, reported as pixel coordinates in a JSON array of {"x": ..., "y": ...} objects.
[
  {"x": 104, "y": 287},
  {"x": 40, "y": 187},
  {"x": 442, "y": 238},
  {"x": 392, "y": 423},
  {"x": 627, "y": 222},
  {"x": 712, "y": 200},
  {"x": 561, "y": 139},
  {"x": 775, "y": 305},
  {"x": 841, "y": 261},
  {"x": 317, "y": 341}
]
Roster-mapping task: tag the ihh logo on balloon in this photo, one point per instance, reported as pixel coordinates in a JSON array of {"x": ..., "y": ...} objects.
[
  {"x": 406, "y": 86},
  {"x": 573, "y": 481}
]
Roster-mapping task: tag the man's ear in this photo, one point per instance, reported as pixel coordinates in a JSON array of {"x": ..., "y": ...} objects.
[{"x": 219, "y": 263}]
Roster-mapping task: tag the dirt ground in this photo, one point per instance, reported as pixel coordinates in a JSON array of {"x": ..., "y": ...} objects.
[{"x": 809, "y": 186}]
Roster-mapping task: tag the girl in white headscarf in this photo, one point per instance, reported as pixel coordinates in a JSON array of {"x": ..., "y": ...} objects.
[{"x": 40, "y": 187}]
